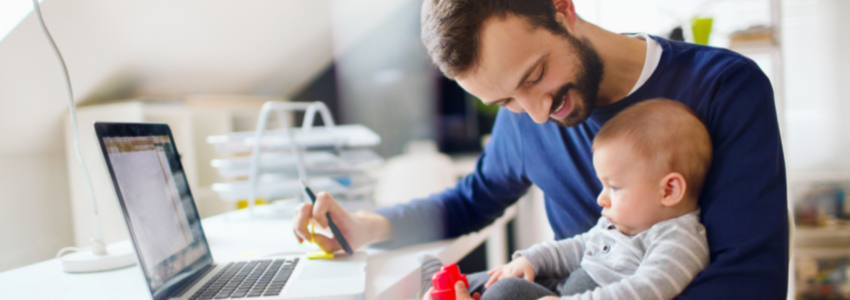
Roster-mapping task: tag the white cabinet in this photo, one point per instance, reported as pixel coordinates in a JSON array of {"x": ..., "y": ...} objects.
[{"x": 191, "y": 121}]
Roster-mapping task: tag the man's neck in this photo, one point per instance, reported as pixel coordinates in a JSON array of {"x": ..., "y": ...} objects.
[{"x": 623, "y": 58}]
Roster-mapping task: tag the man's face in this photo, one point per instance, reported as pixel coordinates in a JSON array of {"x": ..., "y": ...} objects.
[{"x": 550, "y": 76}]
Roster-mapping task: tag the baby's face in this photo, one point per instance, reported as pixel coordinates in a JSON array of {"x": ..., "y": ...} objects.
[{"x": 631, "y": 194}]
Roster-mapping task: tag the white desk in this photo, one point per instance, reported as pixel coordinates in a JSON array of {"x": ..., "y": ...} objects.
[{"x": 390, "y": 274}]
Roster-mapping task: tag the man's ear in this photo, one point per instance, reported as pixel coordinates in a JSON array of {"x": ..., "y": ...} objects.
[
  {"x": 566, "y": 13},
  {"x": 673, "y": 188}
]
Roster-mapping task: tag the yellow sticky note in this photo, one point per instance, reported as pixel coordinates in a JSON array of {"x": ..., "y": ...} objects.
[{"x": 320, "y": 255}]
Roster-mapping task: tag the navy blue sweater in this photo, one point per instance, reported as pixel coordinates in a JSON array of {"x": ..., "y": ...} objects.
[{"x": 743, "y": 204}]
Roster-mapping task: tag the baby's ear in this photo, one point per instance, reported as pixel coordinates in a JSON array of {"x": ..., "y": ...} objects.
[{"x": 673, "y": 187}]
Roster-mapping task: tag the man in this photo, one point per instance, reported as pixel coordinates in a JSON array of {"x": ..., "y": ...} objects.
[{"x": 560, "y": 78}]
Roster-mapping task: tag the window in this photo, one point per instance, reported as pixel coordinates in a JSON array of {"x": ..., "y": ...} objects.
[{"x": 12, "y": 12}]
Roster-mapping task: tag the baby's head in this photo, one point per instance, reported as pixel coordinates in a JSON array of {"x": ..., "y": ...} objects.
[{"x": 652, "y": 159}]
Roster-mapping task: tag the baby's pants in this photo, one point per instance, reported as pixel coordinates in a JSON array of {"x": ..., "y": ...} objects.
[{"x": 521, "y": 289}]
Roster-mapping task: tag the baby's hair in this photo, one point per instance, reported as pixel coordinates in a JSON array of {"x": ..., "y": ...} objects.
[{"x": 666, "y": 133}]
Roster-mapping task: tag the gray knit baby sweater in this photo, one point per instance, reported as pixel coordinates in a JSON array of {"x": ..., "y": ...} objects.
[{"x": 657, "y": 263}]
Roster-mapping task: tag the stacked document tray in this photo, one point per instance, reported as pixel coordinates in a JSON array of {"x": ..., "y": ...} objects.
[
  {"x": 331, "y": 162},
  {"x": 331, "y": 158},
  {"x": 275, "y": 187},
  {"x": 347, "y": 136}
]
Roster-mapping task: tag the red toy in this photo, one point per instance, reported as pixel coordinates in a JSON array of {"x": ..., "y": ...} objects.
[{"x": 444, "y": 282}]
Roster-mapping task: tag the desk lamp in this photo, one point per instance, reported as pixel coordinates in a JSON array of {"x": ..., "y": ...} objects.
[{"x": 98, "y": 258}]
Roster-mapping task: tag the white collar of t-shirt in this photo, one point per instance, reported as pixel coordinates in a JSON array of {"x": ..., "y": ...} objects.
[{"x": 653, "y": 56}]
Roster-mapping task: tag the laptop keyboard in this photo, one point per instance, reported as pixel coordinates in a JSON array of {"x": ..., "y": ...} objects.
[{"x": 260, "y": 278}]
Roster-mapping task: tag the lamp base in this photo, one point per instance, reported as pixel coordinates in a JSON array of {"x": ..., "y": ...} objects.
[{"x": 118, "y": 255}]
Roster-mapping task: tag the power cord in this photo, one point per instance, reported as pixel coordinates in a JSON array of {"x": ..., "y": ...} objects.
[{"x": 67, "y": 249}]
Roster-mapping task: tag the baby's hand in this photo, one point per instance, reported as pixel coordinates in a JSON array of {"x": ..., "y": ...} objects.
[{"x": 519, "y": 267}]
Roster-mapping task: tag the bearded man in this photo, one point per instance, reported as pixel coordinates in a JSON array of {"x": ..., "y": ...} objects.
[{"x": 559, "y": 79}]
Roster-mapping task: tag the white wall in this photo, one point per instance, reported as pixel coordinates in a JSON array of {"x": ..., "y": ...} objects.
[
  {"x": 816, "y": 67},
  {"x": 35, "y": 217},
  {"x": 817, "y": 84},
  {"x": 659, "y": 17},
  {"x": 117, "y": 49}
]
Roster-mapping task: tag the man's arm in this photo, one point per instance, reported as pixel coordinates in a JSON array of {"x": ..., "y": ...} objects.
[
  {"x": 475, "y": 202},
  {"x": 744, "y": 204}
]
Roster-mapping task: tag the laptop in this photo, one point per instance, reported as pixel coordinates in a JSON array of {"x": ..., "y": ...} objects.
[{"x": 170, "y": 244}]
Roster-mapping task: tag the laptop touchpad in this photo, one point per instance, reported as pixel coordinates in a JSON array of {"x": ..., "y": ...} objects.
[{"x": 325, "y": 272}]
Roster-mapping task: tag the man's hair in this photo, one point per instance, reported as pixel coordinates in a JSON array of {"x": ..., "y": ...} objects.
[
  {"x": 668, "y": 135},
  {"x": 451, "y": 29}
]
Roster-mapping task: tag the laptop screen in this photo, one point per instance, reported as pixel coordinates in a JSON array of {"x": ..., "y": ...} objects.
[{"x": 158, "y": 207}]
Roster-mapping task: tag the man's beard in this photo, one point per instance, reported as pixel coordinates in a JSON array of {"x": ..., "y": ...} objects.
[{"x": 588, "y": 78}]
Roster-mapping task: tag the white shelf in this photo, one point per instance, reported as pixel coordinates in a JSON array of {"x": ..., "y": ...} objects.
[
  {"x": 798, "y": 177},
  {"x": 839, "y": 232},
  {"x": 821, "y": 252},
  {"x": 822, "y": 238}
]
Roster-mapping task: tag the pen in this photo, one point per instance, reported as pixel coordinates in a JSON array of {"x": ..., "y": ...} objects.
[{"x": 334, "y": 229}]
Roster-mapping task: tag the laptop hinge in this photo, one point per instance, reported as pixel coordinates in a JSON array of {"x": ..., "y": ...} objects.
[{"x": 189, "y": 282}]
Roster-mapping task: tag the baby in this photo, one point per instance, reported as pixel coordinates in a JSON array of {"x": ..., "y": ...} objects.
[{"x": 652, "y": 159}]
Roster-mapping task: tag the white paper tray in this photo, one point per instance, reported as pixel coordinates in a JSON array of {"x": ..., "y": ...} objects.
[
  {"x": 325, "y": 163},
  {"x": 349, "y": 136},
  {"x": 272, "y": 187}
]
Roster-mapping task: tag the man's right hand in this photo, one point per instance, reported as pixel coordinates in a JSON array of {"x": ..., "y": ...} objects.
[{"x": 358, "y": 228}]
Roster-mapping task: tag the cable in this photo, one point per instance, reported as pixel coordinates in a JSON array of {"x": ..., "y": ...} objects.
[
  {"x": 66, "y": 249},
  {"x": 98, "y": 247}
]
